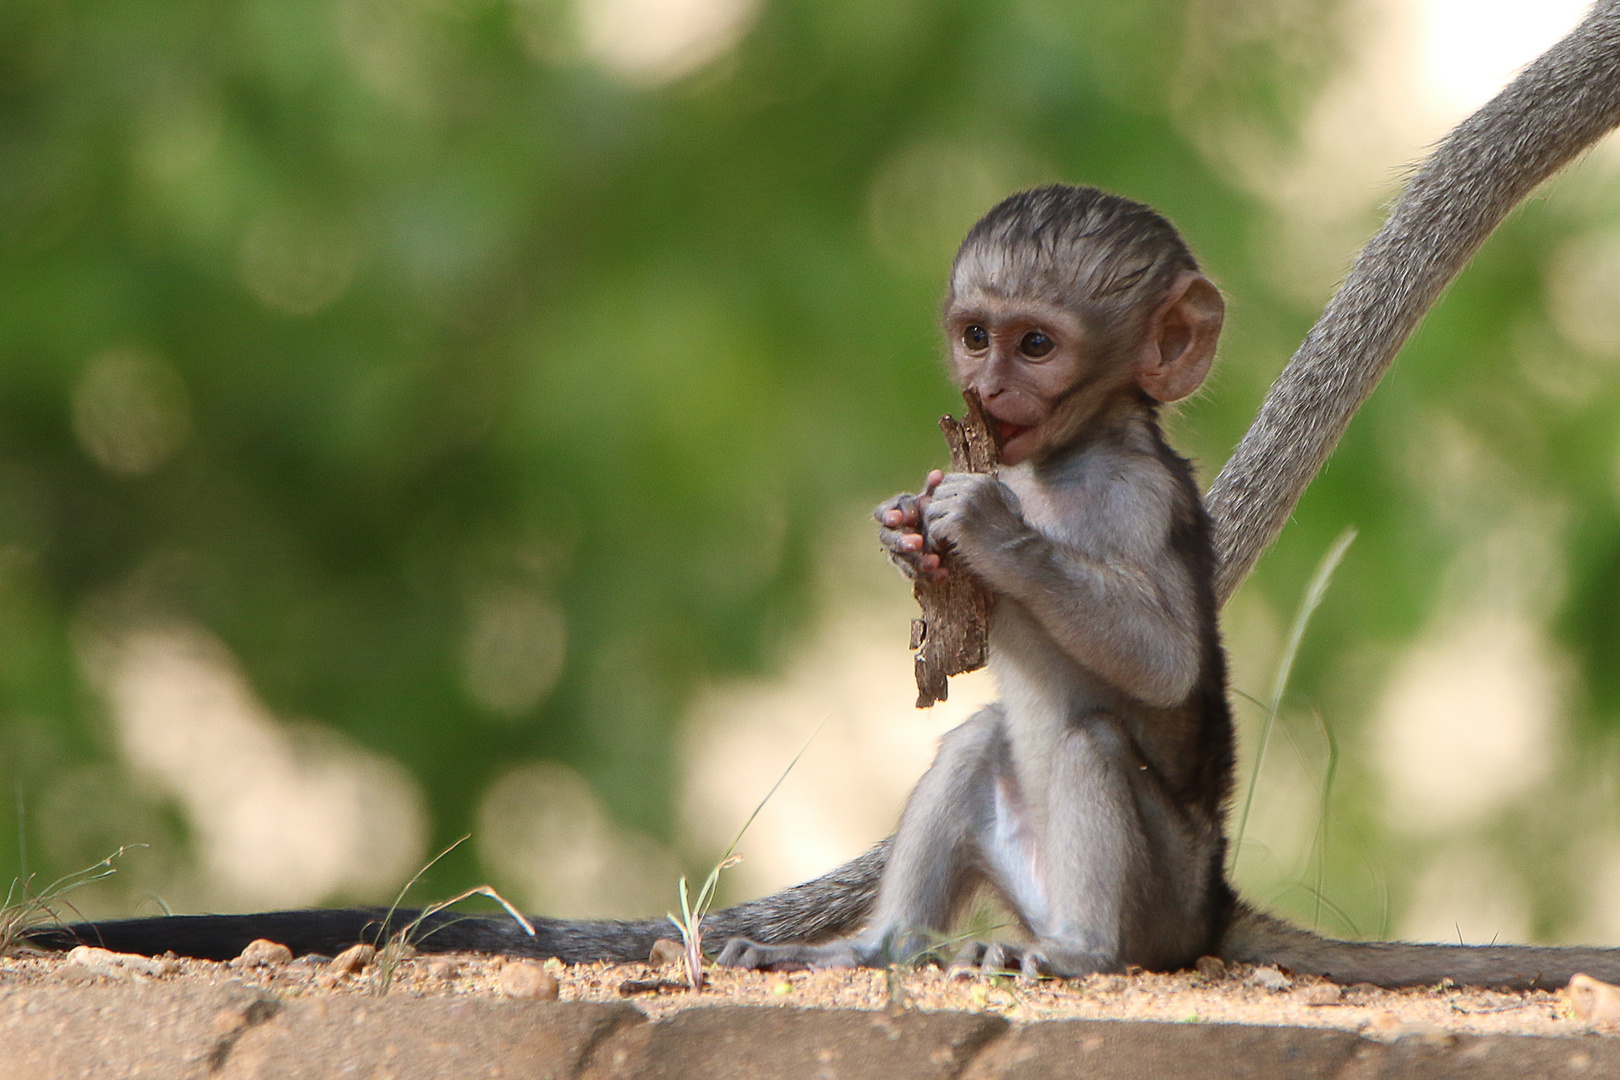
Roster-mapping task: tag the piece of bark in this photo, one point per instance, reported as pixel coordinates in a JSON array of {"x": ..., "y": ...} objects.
[{"x": 953, "y": 634}]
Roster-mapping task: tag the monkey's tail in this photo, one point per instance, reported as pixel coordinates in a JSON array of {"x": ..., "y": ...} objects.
[
  {"x": 1257, "y": 938},
  {"x": 835, "y": 903}
]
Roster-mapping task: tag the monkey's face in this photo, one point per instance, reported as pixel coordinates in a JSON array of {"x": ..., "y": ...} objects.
[{"x": 1030, "y": 364}]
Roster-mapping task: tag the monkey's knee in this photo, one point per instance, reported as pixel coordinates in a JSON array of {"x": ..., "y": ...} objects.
[{"x": 977, "y": 737}]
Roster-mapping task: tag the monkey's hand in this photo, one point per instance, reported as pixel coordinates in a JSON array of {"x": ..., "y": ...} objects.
[
  {"x": 975, "y": 514},
  {"x": 900, "y": 531}
]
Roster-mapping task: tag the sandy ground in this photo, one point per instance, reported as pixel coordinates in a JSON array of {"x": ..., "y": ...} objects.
[{"x": 1242, "y": 995}]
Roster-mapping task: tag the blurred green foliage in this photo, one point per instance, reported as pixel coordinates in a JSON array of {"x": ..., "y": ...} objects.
[{"x": 427, "y": 307}]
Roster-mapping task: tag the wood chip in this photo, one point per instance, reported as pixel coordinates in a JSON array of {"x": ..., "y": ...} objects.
[{"x": 952, "y": 635}]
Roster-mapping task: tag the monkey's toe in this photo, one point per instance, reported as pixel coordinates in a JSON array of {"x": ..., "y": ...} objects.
[
  {"x": 750, "y": 955},
  {"x": 1065, "y": 963},
  {"x": 981, "y": 958},
  {"x": 742, "y": 953},
  {"x": 1028, "y": 962}
]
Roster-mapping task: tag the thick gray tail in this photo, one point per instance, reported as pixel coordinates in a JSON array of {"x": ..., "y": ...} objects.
[
  {"x": 835, "y": 903},
  {"x": 1257, "y": 938}
]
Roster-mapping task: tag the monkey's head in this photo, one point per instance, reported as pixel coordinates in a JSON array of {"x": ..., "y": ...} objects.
[{"x": 1065, "y": 302}]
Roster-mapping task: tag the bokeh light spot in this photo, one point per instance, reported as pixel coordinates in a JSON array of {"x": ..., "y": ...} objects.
[
  {"x": 513, "y": 651},
  {"x": 131, "y": 411}
]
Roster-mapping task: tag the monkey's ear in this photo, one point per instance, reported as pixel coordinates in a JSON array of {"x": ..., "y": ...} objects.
[{"x": 1179, "y": 343}]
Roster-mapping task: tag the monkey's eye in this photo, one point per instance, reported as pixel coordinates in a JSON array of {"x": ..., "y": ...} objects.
[
  {"x": 1035, "y": 344},
  {"x": 975, "y": 338}
]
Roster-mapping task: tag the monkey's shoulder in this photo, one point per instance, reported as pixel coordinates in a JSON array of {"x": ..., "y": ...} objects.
[{"x": 1113, "y": 499}]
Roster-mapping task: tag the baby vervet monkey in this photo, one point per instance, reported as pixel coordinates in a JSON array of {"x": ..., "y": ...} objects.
[
  {"x": 1091, "y": 794},
  {"x": 1091, "y": 797}
]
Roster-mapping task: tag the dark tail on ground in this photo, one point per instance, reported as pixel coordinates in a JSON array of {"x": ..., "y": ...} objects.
[
  {"x": 1257, "y": 938},
  {"x": 836, "y": 903},
  {"x": 832, "y": 904}
]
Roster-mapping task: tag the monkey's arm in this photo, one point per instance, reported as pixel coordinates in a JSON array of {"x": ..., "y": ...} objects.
[{"x": 1121, "y": 607}]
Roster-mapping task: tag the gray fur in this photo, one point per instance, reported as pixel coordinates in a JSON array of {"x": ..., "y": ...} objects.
[{"x": 1081, "y": 798}]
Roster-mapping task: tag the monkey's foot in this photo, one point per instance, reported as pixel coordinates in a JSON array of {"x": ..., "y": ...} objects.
[
  {"x": 742, "y": 953},
  {"x": 1030, "y": 962}
]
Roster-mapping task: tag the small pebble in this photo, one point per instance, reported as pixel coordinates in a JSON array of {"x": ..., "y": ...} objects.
[
  {"x": 666, "y": 952},
  {"x": 117, "y": 965},
  {"x": 1322, "y": 993},
  {"x": 527, "y": 979},
  {"x": 351, "y": 961},
  {"x": 1269, "y": 977},
  {"x": 263, "y": 953},
  {"x": 1212, "y": 968},
  {"x": 1592, "y": 1001}
]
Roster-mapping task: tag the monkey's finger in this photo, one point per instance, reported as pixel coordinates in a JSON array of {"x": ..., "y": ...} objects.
[
  {"x": 901, "y": 541},
  {"x": 900, "y": 510}
]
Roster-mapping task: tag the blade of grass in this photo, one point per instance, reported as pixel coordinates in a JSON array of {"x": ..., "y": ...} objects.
[
  {"x": 1314, "y": 591},
  {"x": 1328, "y": 776},
  {"x": 27, "y": 910},
  {"x": 392, "y": 951},
  {"x": 690, "y": 922}
]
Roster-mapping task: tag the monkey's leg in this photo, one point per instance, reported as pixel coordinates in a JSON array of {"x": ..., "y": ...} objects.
[
  {"x": 932, "y": 859},
  {"x": 1089, "y": 853}
]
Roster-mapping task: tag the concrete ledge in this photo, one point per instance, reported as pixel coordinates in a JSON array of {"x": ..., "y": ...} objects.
[{"x": 233, "y": 1031}]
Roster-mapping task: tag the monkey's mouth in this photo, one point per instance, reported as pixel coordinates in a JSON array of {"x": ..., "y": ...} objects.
[{"x": 1010, "y": 431}]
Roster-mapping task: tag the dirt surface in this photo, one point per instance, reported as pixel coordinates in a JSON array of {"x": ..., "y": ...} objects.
[{"x": 1243, "y": 995}]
